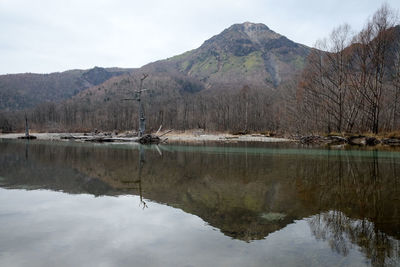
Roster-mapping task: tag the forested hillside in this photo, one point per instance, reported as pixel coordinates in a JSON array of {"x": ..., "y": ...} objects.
[{"x": 20, "y": 91}]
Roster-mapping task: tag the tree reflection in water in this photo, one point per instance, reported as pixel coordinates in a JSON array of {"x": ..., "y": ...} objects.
[
  {"x": 369, "y": 193},
  {"x": 350, "y": 198},
  {"x": 341, "y": 233}
]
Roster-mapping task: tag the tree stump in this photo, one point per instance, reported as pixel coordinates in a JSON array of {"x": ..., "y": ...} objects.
[{"x": 149, "y": 139}]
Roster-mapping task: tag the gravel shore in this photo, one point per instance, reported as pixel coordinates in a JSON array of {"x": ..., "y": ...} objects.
[{"x": 173, "y": 137}]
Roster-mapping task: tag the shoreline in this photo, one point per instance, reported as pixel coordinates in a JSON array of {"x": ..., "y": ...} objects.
[
  {"x": 335, "y": 142},
  {"x": 173, "y": 137}
]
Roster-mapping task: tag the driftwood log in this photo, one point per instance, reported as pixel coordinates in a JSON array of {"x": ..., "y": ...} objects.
[
  {"x": 29, "y": 137},
  {"x": 145, "y": 139}
]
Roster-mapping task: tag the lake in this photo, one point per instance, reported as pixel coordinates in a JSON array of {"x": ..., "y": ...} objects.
[{"x": 81, "y": 204}]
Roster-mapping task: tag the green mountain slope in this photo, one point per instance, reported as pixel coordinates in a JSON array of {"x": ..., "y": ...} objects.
[{"x": 243, "y": 54}]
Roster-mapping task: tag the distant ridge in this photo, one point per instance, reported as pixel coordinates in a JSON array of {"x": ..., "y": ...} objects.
[{"x": 19, "y": 91}]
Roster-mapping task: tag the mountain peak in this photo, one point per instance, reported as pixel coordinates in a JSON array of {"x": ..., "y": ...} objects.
[
  {"x": 247, "y": 34},
  {"x": 256, "y": 32},
  {"x": 243, "y": 54},
  {"x": 251, "y": 26}
]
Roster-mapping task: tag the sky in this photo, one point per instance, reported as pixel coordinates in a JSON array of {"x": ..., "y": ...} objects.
[{"x": 44, "y": 36}]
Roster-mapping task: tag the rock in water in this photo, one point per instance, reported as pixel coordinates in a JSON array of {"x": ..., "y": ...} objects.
[
  {"x": 358, "y": 140},
  {"x": 372, "y": 141},
  {"x": 391, "y": 141}
]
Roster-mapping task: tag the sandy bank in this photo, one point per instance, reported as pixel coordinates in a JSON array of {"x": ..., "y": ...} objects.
[{"x": 222, "y": 137}]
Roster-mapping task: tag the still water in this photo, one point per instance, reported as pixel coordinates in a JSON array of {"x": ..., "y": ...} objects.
[{"x": 76, "y": 204}]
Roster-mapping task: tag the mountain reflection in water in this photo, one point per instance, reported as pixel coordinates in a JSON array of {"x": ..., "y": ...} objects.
[{"x": 348, "y": 198}]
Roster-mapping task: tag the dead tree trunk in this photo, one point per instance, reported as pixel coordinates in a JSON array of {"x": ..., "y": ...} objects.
[
  {"x": 26, "y": 127},
  {"x": 27, "y": 135},
  {"x": 142, "y": 119}
]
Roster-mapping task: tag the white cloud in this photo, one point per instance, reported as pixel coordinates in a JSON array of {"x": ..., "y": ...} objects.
[{"x": 46, "y": 36}]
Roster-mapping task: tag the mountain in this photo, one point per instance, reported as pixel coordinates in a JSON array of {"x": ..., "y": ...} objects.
[
  {"x": 201, "y": 88},
  {"x": 19, "y": 91},
  {"x": 243, "y": 54},
  {"x": 247, "y": 54}
]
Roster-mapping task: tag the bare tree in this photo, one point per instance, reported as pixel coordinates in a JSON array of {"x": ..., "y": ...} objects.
[
  {"x": 345, "y": 84},
  {"x": 371, "y": 63},
  {"x": 396, "y": 87}
]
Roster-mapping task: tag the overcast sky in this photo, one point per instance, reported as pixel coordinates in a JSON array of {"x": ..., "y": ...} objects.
[{"x": 55, "y": 35}]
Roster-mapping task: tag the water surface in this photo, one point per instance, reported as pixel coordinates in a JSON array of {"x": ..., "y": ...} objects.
[{"x": 66, "y": 204}]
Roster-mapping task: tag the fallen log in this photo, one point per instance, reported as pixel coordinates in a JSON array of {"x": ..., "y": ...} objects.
[
  {"x": 29, "y": 137},
  {"x": 145, "y": 139},
  {"x": 98, "y": 138}
]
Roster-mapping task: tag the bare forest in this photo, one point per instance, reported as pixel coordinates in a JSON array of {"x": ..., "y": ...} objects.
[{"x": 350, "y": 84}]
